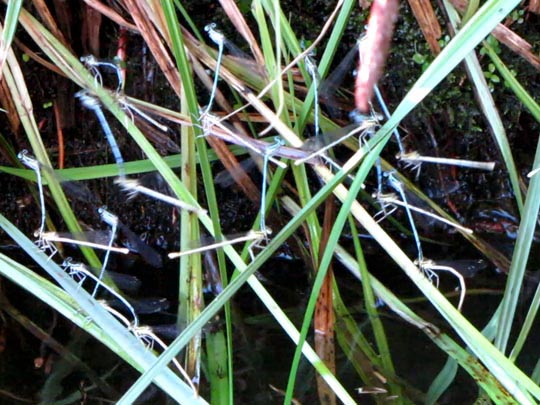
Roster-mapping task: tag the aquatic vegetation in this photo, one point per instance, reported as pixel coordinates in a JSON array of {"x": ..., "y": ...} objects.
[{"x": 340, "y": 202}]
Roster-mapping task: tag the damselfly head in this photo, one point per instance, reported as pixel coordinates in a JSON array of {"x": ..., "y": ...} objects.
[
  {"x": 67, "y": 262},
  {"x": 360, "y": 118},
  {"x": 216, "y": 36},
  {"x": 107, "y": 217},
  {"x": 28, "y": 160},
  {"x": 88, "y": 59},
  {"x": 87, "y": 100},
  {"x": 210, "y": 27},
  {"x": 22, "y": 154}
]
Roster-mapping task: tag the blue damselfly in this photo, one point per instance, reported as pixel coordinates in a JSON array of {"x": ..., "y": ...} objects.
[{"x": 92, "y": 103}]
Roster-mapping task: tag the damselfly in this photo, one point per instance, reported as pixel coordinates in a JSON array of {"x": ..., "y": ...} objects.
[
  {"x": 149, "y": 339},
  {"x": 219, "y": 39},
  {"x": 97, "y": 239},
  {"x": 111, "y": 220},
  {"x": 397, "y": 185},
  {"x": 415, "y": 160},
  {"x": 101, "y": 240},
  {"x": 252, "y": 236},
  {"x": 429, "y": 267},
  {"x": 311, "y": 68},
  {"x": 93, "y": 65},
  {"x": 31, "y": 162},
  {"x": 79, "y": 272},
  {"x": 391, "y": 200},
  {"x": 92, "y": 103},
  {"x": 145, "y": 334},
  {"x": 319, "y": 145},
  {"x": 45, "y": 240},
  {"x": 134, "y": 187},
  {"x": 222, "y": 42},
  {"x": 278, "y": 142},
  {"x": 63, "y": 237}
]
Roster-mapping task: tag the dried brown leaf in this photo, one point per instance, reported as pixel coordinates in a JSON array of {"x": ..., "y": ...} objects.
[
  {"x": 534, "y": 6},
  {"x": 513, "y": 41},
  {"x": 427, "y": 20},
  {"x": 49, "y": 21},
  {"x": 324, "y": 320},
  {"x": 153, "y": 39},
  {"x": 8, "y": 105},
  {"x": 237, "y": 19},
  {"x": 111, "y": 14},
  {"x": 91, "y": 28},
  {"x": 508, "y": 37}
]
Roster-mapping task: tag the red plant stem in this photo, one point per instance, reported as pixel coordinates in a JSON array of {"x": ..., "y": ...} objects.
[
  {"x": 121, "y": 52},
  {"x": 374, "y": 49},
  {"x": 60, "y": 135}
]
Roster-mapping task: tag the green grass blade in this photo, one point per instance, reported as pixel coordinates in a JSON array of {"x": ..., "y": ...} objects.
[
  {"x": 8, "y": 31},
  {"x": 126, "y": 344}
]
